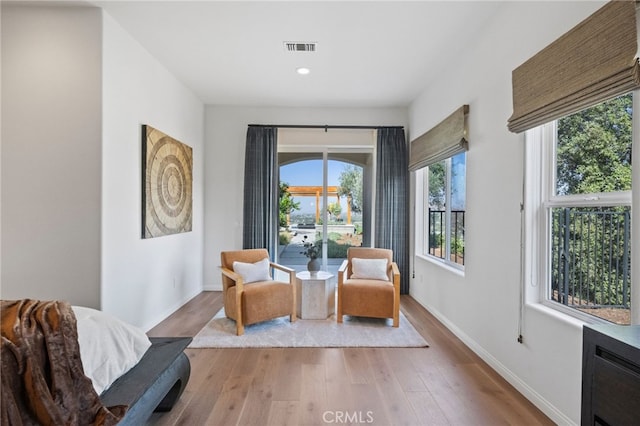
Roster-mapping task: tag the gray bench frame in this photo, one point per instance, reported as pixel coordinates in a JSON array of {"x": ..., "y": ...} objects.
[{"x": 154, "y": 384}]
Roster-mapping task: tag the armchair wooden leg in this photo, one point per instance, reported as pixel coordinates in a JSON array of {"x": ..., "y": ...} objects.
[
  {"x": 294, "y": 308},
  {"x": 239, "y": 316},
  {"x": 339, "y": 318},
  {"x": 239, "y": 324},
  {"x": 396, "y": 320}
]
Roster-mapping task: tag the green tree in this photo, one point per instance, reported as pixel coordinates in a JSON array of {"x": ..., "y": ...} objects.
[
  {"x": 594, "y": 149},
  {"x": 437, "y": 176},
  {"x": 287, "y": 205},
  {"x": 351, "y": 186},
  {"x": 334, "y": 209}
]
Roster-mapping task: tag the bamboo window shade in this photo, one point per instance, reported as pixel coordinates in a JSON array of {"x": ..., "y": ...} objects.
[
  {"x": 595, "y": 61},
  {"x": 446, "y": 139}
]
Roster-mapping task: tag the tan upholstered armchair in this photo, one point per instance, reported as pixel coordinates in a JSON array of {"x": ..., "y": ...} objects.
[
  {"x": 250, "y": 294},
  {"x": 369, "y": 285}
]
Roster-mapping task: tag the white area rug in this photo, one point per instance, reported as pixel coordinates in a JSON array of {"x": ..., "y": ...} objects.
[{"x": 220, "y": 332}]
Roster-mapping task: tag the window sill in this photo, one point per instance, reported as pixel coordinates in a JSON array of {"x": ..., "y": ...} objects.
[
  {"x": 571, "y": 318},
  {"x": 441, "y": 263}
]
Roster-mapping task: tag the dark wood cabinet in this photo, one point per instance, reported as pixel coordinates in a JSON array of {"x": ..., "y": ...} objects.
[{"x": 611, "y": 375}]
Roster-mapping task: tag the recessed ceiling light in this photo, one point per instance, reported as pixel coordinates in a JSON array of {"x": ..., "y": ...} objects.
[{"x": 303, "y": 71}]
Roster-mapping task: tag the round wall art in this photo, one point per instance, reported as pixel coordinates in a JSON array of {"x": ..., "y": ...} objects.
[{"x": 167, "y": 176}]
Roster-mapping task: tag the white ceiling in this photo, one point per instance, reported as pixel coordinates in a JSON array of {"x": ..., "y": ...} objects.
[{"x": 369, "y": 53}]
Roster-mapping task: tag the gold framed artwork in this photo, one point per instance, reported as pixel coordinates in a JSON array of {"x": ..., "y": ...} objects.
[{"x": 167, "y": 179}]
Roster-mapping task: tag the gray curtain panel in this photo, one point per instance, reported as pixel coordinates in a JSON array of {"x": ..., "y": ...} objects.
[
  {"x": 392, "y": 199},
  {"x": 260, "y": 213}
]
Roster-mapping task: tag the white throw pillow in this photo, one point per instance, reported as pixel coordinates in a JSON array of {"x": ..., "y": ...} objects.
[
  {"x": 370, "y": 269},
  {"x": 252, "y": 272},
  {"x": 109, "y": 347}
]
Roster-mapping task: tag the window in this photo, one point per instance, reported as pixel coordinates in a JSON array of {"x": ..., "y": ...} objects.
[
  {"x": 440, "y": 161},
  {"x": 583, "y": 212},
  {"x": 330, "y": 178},
  {"x": 445, "y": 204}
]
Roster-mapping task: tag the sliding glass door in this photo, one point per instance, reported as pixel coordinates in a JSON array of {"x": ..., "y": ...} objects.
[{"x": 325, "y": 200}]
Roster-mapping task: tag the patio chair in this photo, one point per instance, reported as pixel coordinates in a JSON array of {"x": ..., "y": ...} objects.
[
  {"x": 369, "y": 285},
  {"x": 250, "y": 293}
]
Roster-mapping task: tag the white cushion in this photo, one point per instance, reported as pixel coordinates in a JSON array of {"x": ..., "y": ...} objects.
[
  {"x": 109, "y": 347},
  {"x": 369, "y": 269},
  {"x": 252, "y": 272}
]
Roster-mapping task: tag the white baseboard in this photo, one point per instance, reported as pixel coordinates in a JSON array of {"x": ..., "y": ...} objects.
[{"x": 536, "y": 399}]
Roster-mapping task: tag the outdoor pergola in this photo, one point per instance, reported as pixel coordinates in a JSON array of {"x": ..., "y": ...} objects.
[{"x": 310, "y": 191}]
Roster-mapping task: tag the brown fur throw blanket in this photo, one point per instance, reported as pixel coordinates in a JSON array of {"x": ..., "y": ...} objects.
[{"x": 43, "y": 382}]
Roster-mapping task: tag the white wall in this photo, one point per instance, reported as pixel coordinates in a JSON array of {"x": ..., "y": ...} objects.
[
  {"x": 76, "y": 90},
  {"x": 226, "y": 130},
  {"x": 51, "y": 153},
  {"x": 481, "y": 307},
  {"x": 145, "y": 280}
]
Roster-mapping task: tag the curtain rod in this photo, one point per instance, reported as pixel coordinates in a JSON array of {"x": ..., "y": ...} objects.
[{"x": 324, "y": 126}]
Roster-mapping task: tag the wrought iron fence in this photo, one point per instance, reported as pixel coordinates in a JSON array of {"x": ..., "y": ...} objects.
[
  {"x": 437, "y": 234},
  {"x": 591, "y": 251}
]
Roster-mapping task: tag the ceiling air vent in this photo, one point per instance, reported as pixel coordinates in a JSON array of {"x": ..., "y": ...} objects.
[{"x": 300, "y": 46}]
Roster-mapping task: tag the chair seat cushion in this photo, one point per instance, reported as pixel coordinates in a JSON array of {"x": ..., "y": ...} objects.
[
  {"x": 370, "y": 298},
  {"x": 261, "y": 300}
]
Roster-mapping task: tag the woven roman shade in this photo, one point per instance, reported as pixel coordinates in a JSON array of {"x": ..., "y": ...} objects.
[
  {"x": 446, "y": 139},
  {"x": 595, "y": 61}
]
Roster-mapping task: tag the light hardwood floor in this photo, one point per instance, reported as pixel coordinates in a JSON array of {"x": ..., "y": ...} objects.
[{"x": 444, "y": 384}]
